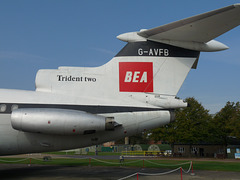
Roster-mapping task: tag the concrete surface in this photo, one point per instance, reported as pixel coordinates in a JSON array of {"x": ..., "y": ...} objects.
[{"x": 44, "y": 172}]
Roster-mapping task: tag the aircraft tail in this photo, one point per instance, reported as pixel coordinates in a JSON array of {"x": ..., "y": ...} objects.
[
  {"x": 153, "y": 67},
  {"x": 145, "y": 66},
  {"x": 154, "y": 61}
]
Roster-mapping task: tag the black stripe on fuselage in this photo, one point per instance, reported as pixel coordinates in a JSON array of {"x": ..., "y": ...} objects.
[
  {"x": 94, "y": 109},
  {"x": 155, "y": 49}
]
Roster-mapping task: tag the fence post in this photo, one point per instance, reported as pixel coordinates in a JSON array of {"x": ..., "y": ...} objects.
[
  {"x": 181, "y": 173},
  {"x": 30, "y": 162},
  {"x": 137, "y": 176},
  {"x": 192, "y": 174},
  {"x": 89, "y": 164}
]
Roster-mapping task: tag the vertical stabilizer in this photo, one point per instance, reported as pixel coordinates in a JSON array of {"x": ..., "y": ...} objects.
[
  {"x": 154, "y": 67},
  {"x": 145, "y": 66}
]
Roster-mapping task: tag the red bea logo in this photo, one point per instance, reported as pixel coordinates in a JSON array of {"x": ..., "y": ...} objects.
[{"x": 135, "y": 77}]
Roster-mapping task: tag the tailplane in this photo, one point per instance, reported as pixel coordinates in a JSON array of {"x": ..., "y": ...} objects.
[{"x": 154, "y": 61}]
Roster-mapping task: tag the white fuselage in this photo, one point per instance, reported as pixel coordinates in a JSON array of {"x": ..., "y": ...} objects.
[{"x": 25, "y": 142}]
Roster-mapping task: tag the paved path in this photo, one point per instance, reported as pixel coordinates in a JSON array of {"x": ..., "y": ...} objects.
[
  {"x": 56, "y": 172},
  {"x": 44, "y": 172}
]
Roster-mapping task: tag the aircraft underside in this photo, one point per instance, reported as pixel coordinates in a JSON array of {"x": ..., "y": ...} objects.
[{"x": 129, "y": 123}]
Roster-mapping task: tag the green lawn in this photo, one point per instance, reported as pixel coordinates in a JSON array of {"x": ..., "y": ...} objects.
[{"x": 168, "y": 164}]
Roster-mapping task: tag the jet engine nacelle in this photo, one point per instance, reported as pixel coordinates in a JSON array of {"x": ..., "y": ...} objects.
[{"x": 59, "y": 121}]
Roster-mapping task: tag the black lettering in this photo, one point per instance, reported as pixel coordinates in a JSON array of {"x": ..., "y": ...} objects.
[
  {"x": 69, "y": 78},
  {"x": 78, "y": 78},
  {"x": 90, "y": 79},
  {"x": 59, "y": 77},
  {"x": 75, "y": 78}
]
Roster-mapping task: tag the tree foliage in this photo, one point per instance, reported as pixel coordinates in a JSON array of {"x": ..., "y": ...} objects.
[
  {"x": 194, "y": 124},
  {"x": 234, "y": 123},
  {"x": 227, "y": 121},
  {"x": 191, "y": 125}
]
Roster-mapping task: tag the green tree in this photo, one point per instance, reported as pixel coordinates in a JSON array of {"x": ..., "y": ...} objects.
[
  {"x": 234, "y": 123},
  {"x": 192, "y": 125},
  {"x": 227, "y": 122}
]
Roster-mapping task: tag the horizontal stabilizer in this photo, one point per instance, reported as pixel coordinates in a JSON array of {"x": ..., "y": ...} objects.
[
  {"x": 195, "y": 33},
  {"x": 199, "y": 28}
]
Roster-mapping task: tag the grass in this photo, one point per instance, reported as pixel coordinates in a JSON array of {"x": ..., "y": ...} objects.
[
  {"x": 217, "y": 166},
  {"x": 168, "y": 164}
]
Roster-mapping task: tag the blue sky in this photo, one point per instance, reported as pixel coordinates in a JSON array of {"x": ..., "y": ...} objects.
[{"x": 45, "y": 34}]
